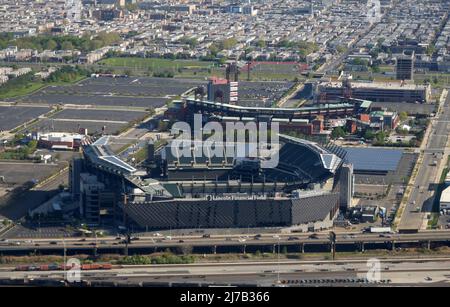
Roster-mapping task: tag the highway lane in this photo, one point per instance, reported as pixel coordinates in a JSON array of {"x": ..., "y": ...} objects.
[
  {"x": 218, "y": 240},
  {"x": 262, "y": 273}
]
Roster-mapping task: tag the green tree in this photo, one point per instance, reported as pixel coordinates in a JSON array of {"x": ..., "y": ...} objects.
[
  {"x": 213, "y": 49},
  {"x": 261, "y": 43},
  {"x": 228, "y": 43},
  {"x": 403, "y": 116},
  {"x": 338, "y": 132},
  {"x": 369, "y": 134},
  {"x": 51, "y": 45},
  {"x": 67, "y": 45}
]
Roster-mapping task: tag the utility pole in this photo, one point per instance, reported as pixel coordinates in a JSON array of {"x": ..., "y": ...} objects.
[{"x": 333, "y": 244}]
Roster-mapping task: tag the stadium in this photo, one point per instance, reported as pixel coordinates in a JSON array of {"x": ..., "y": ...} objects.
[{"x": 303, "y": 192}]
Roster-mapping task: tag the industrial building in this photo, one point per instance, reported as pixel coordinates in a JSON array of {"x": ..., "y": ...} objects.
[{"x": 60, "y": 140}]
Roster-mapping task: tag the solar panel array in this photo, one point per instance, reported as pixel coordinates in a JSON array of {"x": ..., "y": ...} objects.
[{"x": 374, "y": 159}]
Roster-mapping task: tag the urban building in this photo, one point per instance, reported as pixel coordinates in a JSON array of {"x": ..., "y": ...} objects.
[{"x": 404, "y": 68}]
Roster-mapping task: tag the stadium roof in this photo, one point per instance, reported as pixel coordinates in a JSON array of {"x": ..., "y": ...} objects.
[
  {"x": 373, "y": 159},
  {"x": 329, "y": 160},
  {"x": 245, "y": 110},
  {"x": 100, "y": 154}
]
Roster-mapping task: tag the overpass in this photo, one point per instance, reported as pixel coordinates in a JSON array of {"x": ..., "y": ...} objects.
[{"x": 227, "y": 243}]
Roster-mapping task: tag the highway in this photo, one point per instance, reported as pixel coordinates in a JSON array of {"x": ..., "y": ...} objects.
[
  {"x": 108, "y": 243},
  {"x": 265, "y": 273}
]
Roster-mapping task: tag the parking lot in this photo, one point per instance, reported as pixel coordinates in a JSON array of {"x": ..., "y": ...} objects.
[
  {"x": 93, "y": 100},
  {"x": 262, "y": 93},
  {"x": 17, "y": 173},
  {"x": 31, "y": 231},
  {"x": 105, "y": 91},
  {"x": 147, "y": 92},
  {"x": 50, "y": 125},
  {"x": 13, "y": 116},
  {"x": 410, "y": 108},
  {"x": 71, "y": 120},
  {"x": 100, "y": 115}
]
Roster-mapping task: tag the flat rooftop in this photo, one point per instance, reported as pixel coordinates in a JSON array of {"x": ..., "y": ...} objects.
[
  {"x": 377, "y": 85},
  {"x": 373, "y": 159}
]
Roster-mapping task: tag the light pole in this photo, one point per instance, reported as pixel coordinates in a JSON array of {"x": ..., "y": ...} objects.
[{"x": 278, "y": 262}]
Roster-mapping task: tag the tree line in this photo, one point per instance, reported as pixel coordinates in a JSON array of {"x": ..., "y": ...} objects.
[{"x": 85, "y": 43}]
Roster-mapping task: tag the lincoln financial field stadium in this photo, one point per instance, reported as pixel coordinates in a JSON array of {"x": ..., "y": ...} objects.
[{"x": 305, "y": 191}]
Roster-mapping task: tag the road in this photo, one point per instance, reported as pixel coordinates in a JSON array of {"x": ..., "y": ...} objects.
[
  {"x": 270, "y": 273},
  {"x": 422, "y": 192},
  {"x": 214, "y": 241}
]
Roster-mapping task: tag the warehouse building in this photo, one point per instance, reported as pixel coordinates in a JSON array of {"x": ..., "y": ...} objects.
[{"x": 374, "y": 91}]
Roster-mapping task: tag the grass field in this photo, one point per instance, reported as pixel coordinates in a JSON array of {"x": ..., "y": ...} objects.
[
  {"x": 155, "y": 64},
  {"x": 193, "y": 69},
  {"x": 437, "y": 80},
  {"x": 24, "y": 90},
  {"x": 387, "y": 68},
  {"x": 34, "y": 86}
]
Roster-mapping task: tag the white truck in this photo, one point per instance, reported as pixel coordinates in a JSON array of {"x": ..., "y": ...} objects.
[{"x": 379, "y": 230}]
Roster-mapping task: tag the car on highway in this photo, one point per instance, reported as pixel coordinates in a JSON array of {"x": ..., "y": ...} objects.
[
  {"x": 206, "y": 235},
  {"x": 313, "y": 236},
  {"x": 53, "y": 242},
  {"x": 293, "y": 239}
]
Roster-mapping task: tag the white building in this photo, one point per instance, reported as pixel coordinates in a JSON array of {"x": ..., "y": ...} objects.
[{"x": 444, "y": 202}]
